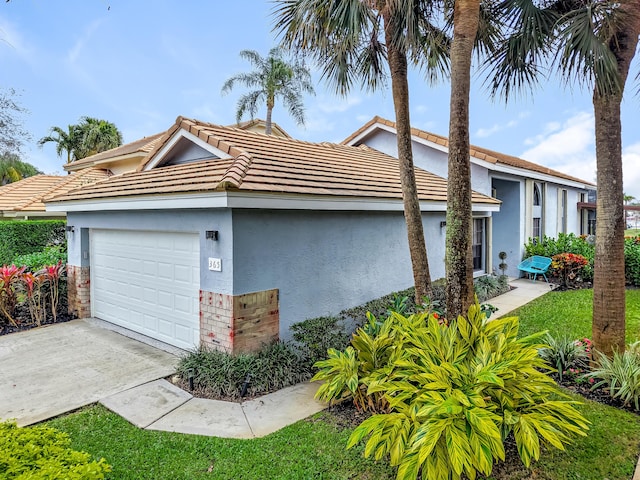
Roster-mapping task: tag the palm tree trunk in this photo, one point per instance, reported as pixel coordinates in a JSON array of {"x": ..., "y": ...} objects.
[
  {"x": 267, "y": 122},
  {"x": 608, "y": 324},
  {"x": 458, "y": 258},
  {"x": 412, "y": 214}
]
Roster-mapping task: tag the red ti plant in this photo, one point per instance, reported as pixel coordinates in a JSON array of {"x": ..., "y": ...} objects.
[
  {"x": 53, "y": 275},
  {"x": 9, "y": 284},
  {"x": 34, "y": 287}
]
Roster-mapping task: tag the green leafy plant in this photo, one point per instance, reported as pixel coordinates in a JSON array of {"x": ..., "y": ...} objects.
[
  {"x": 220, "y": 374},
  {"x": 315, "y": 336},
  {"x": 632, "y": 260},
  {"x": 503, "y": 265},
  {"x": 489, "y": 286},
  {"x": 620, "y": 375},
  {"x": 456, "y": 391},
  {"x": 565, "y": 355},
  {"x": 28, "y": 236},
  {"x": 50, "y": 255},
  {"x": 41, "y": 452},
  {"x": 9, "y": 287},
  {"x": 565, "y": 243}
]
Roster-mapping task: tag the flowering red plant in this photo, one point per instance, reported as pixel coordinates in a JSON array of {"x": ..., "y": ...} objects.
[
  {"x": 9, "y": 281},
  {"x": 568, "y": 266}
]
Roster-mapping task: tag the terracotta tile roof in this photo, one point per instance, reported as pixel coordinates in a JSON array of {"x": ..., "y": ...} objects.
[
  {"x": 28, "y": 194},
  {"x": 272, "y": 164},
  {"x": 257, "y": 125},
  {"x": 476, "y": 152},
  {"x": 142, "y": 146}
]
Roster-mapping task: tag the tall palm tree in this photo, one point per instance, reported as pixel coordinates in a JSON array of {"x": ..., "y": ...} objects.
[
  {"x": 355, "y": 40},
  {"x": 12, "y": 169},
  {"x": 593, "y": 41},
  {"x": 66, "y": 141},
  {"x": 88, "y": 137},
  {"x": 459, "y": 259},
  {"x": 273, "y": 77}
]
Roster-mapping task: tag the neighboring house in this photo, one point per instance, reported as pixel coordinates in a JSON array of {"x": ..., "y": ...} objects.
[
  {"x": 226, "y": 237},
  {"x": 536, "y": 200},
  {"x": 23, "y": 200}
]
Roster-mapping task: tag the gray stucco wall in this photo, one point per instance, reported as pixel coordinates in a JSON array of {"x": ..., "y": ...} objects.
[
  {"x": 196, "y": 221},
  {"x": 323, "y": 262},
  {"x": 506, "y": 234}
]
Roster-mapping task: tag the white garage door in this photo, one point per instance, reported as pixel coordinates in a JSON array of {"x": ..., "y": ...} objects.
[{"x": 148, "y": 282}]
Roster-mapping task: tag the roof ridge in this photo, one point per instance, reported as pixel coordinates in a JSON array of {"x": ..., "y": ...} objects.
[{"x": 236, "y": 172}]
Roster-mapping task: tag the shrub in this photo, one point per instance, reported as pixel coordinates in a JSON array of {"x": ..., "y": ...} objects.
[
  {"x": 489, "y": 286},
  {"x": 565, "y": 355},
  {"x": 456, "y": 391},
  {"x": 28, "y": 236},
  {"x": 620, "y": 375},
  {"x": 565, "y": 243},
  {"x": 50, "y": 255},
  {"x": 221, "y": 374},
  {"x": 317, "y": 335},
  {"x": 41, "y": 452},
  {"x": 568, "y": 267},
  {"x": 632, "y": 260}
]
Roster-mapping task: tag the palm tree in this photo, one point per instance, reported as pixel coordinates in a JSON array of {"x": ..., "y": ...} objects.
[
  {"x": 345, "y": 38},
  {"x": 272, "y": 78},
  {"x": 12, "y": 169},
  {"x": 97, "y": 136},
  {"x": 595, "y": 42},
  {"x": 66, "y": 141},
  {"x": 458, "y": 257},
  {"x": 88, "y": 137}
]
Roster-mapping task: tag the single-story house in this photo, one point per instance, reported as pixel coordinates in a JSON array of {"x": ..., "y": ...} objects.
[
  {"x": 226, "y": 237},
  {"x": 536, "y": 200},
  {"x": 23, "y": 200}
]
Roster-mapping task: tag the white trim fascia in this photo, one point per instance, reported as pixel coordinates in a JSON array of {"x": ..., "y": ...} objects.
[
  {"x": 180, "y": 134},
  {"x": 249, "y": 200},
  {"x": 364, "y": 134},
  {"x": 544, "y": 177}
]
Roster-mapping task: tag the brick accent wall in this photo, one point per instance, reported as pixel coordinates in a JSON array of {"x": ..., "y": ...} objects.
[
  {"x": 78, "y": 291},
  {"x": 239, "y": 323}
]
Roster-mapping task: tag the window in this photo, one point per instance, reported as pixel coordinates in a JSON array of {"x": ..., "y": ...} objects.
[
  {"x": 477, "y": 244},
  {"x": 562, "y": 211},
  {"x": 536, "y": 230}
]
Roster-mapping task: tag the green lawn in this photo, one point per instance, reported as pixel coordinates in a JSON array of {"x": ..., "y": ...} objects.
[
  {"x": 632, "y": 232},
  {"x": 569, "y": 314},
  {"x": 307, "y": 449}
]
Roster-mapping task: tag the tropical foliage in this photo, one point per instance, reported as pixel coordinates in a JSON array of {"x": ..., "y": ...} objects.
[
  {"x": 42, "y": 452},
  {"x": 620, "y": 374},
  {"x": 451, "y": 392},
  {"x": 88, "y": 137},
  {"x": 12, "y": 169},
  {"x": 274, "y": 78},
  {"x": 565, "y": 354}
]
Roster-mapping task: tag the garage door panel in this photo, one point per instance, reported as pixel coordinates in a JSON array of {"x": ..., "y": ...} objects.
[{"x": 148, "y": 282}]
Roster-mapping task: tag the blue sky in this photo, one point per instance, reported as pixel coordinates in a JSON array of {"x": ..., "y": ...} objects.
[{"x": 140, "y": 64}]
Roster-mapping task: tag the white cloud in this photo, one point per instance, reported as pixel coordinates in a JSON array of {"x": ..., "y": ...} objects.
[
  {"x": 567, "y": 147},
  {"x": 421, "y": 109}
]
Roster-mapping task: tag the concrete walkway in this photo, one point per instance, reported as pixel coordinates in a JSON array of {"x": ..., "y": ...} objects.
[{"x": 525, "y": 290}]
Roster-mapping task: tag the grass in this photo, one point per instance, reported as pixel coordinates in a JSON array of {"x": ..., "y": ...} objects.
[
  {"x": 307, "y": 449},
  {"x": 315, "y": 449},
  {"x": 569, "y": 314},
  {"x": 632, "y": 232}
]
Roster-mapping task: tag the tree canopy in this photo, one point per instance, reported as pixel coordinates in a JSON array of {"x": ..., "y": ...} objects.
[
  {"x": 12, "y": 169},
  {"x": 12, "y": 132}
]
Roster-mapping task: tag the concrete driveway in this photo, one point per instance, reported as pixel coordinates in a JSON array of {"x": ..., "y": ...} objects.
[{"x": 55, "y": 369}]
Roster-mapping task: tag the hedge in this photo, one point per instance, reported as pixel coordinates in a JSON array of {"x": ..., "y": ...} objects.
[{"x": 21, "y": 237}]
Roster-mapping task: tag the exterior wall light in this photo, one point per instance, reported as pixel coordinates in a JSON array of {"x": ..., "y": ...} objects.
[{"x": 211, "y": 235}]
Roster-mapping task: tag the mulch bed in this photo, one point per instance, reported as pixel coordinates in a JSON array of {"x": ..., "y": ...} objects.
[{"x": 23, "y": 319}]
